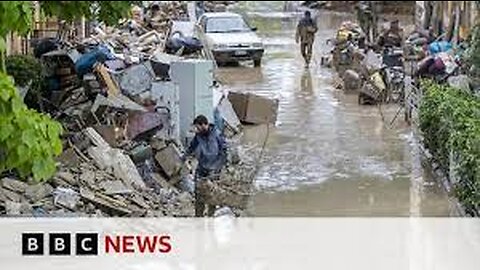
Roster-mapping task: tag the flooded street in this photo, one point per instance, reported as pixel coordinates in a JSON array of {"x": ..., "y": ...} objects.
[{"x": 327, "y": 155}]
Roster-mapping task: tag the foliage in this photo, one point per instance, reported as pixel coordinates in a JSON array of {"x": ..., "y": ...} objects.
[
  {"x": 106, "y": 11},
  {"x": 25, "y": 69},
  {"x": 450, "y": 122},
  {"x": 472, "y": 54},
  {"x": 15, "y": 16},
  {"x": 29, "y": 140}
]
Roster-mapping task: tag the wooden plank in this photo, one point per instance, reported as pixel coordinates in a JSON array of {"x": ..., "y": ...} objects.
[{"x": 112, "y": 87}]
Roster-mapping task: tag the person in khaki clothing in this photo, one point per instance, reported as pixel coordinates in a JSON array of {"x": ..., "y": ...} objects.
[{"x": 305, "y": 35}]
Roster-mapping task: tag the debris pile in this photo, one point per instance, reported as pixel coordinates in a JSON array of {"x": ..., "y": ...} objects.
[
  {"x": 161, "y": 14},
  {"x": 96, "y": 179},
  {"x": 113, "y": 94},
  {"x": 217, "y": 6}
]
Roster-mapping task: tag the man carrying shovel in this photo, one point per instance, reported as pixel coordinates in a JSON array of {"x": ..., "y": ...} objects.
[{"x": 210, "y": 149}]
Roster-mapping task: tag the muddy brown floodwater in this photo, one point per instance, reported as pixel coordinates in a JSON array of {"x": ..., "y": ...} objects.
[{"x": 327, "y": 155}]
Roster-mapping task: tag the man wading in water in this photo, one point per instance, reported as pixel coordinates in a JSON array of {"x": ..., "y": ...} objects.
[
  {"x": 305, "y": 35},
  {"x": 210, "y": 149}
]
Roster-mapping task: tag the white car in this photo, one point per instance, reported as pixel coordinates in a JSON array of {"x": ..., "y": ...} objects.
[{"x": 230, "y": 38}]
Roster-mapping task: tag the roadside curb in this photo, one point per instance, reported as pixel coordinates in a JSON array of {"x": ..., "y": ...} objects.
[{"x": 439, "y": 176}]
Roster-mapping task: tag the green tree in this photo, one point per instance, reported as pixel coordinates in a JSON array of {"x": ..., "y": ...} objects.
[{"x": 30, "y": 140}]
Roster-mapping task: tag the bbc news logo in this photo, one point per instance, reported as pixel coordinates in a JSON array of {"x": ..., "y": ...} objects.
[{"x": 88, "y": 244}]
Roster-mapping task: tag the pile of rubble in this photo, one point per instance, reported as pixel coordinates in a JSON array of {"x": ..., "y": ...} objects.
[
  {"x": 113, "y": 95},
  {"x": 121, "y": 155},
  {"x": 96, "y": 179},
  {"x": 160, "y": 14},
  {"x": 87, "y": 191},
  {"x": 217, "y": 6}
]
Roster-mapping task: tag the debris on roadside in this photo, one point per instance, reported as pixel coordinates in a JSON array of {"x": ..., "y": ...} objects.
[
  {"x": 217, "y": 6},
  {"x": 114, "y": 97}
]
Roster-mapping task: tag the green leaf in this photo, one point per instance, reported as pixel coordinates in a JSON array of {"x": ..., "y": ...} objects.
[
  {"x": 29, "y": 141},
  {"x": 28, "y": 137},
  {"x": 3, "y": 44},
  {"x": 5, "y": 131},
  {"x": 23, "y": 154}
]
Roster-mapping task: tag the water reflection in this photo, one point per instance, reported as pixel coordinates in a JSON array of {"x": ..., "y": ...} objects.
[{"x": 327, "y": 155}]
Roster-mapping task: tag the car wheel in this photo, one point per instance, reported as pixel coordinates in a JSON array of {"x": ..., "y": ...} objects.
[{"x": 257, "y": 62}]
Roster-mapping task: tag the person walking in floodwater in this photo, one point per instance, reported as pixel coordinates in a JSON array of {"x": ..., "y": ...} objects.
[{"x": 305, "y": 35}]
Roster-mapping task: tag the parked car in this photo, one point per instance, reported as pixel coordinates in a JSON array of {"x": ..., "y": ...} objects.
[{"x": 230, "y": 38}]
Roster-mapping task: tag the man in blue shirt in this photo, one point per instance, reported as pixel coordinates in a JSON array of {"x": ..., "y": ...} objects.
[{"x": 210, "y": 149}]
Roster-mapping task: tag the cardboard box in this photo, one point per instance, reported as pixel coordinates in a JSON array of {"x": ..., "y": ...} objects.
[{"x": 254, "y": 109}]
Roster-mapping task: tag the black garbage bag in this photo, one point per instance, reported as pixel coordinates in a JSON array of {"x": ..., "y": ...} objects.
[{"x": 44, "y": 45}]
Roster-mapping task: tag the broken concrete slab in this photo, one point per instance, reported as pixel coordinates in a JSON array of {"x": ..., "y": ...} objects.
[
  {"x": 114, "y": 187},
  {"x": 169, "y": 160},
  {"x": 88, "y": 177},
  {"x": 65, "y": 177},
  {"x": 101, "y": 157},
  {"x": 137, "y": 199},
  {"x": 26, "y": 209},
  {"x": 11, "y": 196},
  {"x": 152, "y": 197},
  {"x": 13, "y": 208},
  {"x": 107, "y": 158},
  {"x": 3, "y": 198},
  {"x": 124, "y": 168},
  {"x": 38, "y": 191},
  {"x": 86, "y": 193},
  {"x": 95, "y": 138},
  {"x": 109, "y": 204},
  {"x": 119, "y": 102},
  {"x": 140, "y": 123},
  {"x": 65, "y": 197},
  {"x": 14, "y": 185},
  {"x": 137, "y": 79}
]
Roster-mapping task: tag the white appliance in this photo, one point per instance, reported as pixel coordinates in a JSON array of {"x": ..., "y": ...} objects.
[
  {"x": 166, "y": 96},
  {"x": 194, "y": 78}
]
